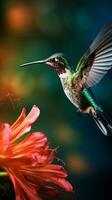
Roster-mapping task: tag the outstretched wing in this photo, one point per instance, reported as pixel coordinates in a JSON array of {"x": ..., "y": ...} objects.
[{"x": 98, "y": 59}]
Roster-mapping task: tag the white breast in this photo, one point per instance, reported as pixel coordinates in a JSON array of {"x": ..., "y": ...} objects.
[
  {"x": 69, "y": 92},
  {"x": 71, "y": 97}
]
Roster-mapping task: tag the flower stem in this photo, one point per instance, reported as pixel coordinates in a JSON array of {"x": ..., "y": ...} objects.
[{"x": 3, "y": 174}]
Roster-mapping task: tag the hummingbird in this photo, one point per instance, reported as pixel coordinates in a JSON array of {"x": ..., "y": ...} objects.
[{"x": 77, "y": 84}]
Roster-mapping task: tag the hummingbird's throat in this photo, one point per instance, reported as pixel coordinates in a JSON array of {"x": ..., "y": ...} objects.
[{"x": 59, "y": 68}]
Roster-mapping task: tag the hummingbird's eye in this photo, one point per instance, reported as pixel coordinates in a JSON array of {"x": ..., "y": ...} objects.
[{"x": 56, "y": 60}]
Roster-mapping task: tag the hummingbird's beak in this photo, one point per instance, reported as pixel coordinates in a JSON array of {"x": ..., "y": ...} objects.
[{"x": 34, "y": 62}]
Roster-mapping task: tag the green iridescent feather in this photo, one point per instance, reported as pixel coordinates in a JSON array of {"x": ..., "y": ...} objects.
[{"x": 91, "y": 100}]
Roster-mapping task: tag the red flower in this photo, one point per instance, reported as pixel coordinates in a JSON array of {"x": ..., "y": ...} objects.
[{"x": 29, "y": 162}]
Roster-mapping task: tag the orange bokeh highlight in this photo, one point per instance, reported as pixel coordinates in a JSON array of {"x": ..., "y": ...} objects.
[
  {"x": 6, "y": 53},
  {"x": 77, "y": 164},
  {"x": 14, "y": 84},
  {"x": 20, "y": 17}
]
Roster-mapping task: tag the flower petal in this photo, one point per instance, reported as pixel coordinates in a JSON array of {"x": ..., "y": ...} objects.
[
  {"x": 19, "y": 120},
  {"x": 31, "y": 145},
  {"x": 4, "y": 137},
  {"x": 29, "y": 162},
  {"x": 63, "y": 183},
  {"x": 25, "y": 126},
  {"x": 50, "y": 173},
  {"x": 55, "y": 174},
  {"x": 23, "y": 189},
  {"x": 52, "y": 170},
  {"x": 49, "y": 190}
]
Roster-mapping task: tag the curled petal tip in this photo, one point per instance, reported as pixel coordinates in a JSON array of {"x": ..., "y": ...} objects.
[{"x": 36, "y": 110}]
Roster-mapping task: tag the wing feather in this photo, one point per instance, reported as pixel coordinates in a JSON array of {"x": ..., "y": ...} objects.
[
  {"x": 105, "y": 46},
  {"x": 106, "y": 60},
  {"x": 107, "y": 56},
  {"x": 97, "y": 61},
  {"x": 104, "y": 52},
  {"x": 103, "y": 35}
]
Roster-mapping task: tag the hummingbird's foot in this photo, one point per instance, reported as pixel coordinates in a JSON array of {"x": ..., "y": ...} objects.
[{"x": 91, "y": 110}]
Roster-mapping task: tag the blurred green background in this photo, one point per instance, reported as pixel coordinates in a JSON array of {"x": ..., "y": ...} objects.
[{"x": 32, "y": 30}]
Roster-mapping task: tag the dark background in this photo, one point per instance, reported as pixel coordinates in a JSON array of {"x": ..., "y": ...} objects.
[{"x": 32, "y": 30}]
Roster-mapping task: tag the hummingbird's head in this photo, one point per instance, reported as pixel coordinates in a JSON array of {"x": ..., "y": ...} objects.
[{"x": 57, "y": 62}]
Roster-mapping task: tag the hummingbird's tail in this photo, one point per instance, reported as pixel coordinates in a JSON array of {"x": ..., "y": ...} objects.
[{"x": 102, "y": 121}]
